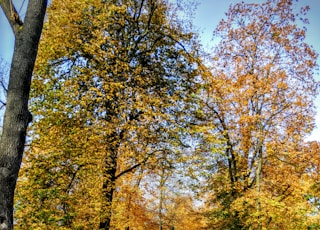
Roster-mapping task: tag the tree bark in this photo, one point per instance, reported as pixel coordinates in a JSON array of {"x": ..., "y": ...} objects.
[
  {"x": 109, "y": 174},
  {"x": 17, "y": 115},
  {"x": 108, "y": 189}
]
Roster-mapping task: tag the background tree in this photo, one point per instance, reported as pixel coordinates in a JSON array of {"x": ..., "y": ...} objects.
[
  {"x": 260, "y": 99},
  {"x": 17, "y": 116},
  {"x": 110, "y": 95},
  {"x": 172, "y": 204}
]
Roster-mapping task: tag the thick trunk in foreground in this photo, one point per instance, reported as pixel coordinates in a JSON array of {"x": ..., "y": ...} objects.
[{"x": 17, "y": 115}]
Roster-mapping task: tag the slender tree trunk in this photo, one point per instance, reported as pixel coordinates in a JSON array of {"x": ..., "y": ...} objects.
[
  {"x": 163, "y": 179},
  {"x": 258, "y": 176},
  {"x": 17, "y": 115},
  {"x": 160, "y": 208}
]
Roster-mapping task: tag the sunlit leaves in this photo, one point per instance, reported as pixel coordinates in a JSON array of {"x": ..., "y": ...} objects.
[
  {"x": 110, "y": 95},
  {"x": 263, "y": 77}
]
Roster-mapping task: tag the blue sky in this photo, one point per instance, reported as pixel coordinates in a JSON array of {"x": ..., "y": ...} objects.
[
  {"x": 208, "y": 14},
  {"x": 6, "y": 35}
]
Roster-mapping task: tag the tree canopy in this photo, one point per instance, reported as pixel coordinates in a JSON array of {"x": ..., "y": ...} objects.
[
  {"x": 135, "y": 126},
  {"x": 260, "y": 100},
  {"x": 114, "y": 95}
]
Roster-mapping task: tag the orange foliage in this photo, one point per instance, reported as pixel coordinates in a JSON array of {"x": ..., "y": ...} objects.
[{"x": 260, "y": 99}]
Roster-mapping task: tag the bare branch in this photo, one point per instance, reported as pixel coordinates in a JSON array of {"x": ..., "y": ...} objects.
[{"x": 11, "y": 14}]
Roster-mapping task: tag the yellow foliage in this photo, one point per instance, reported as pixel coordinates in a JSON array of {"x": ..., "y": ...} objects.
[{"x": 109, "y": 75}]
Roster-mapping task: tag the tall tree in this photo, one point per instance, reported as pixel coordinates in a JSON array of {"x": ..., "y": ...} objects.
[
  {"x": 111, "y": 94},
  {"x": 17, "y": 116},
  {"x": 260, "y": 100}
]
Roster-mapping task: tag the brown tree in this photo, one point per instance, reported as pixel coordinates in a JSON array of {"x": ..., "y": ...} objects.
[{"x": 17, "y": 116}]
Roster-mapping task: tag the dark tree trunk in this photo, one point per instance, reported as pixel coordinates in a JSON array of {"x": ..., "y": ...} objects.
[
  {"x": 110, "y": 177},
  {"x": 108, "y": 189},
  {"x": 17, "y": 115},
  {"x": 110, "y": 169}
]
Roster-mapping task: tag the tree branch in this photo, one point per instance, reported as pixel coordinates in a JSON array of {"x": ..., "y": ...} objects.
[
  {"x": 12, "y": 15},
  {"x": 130, "y": 169}
]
